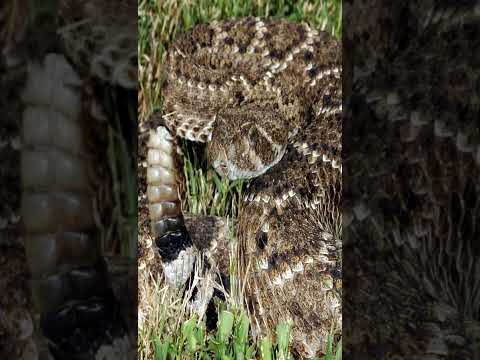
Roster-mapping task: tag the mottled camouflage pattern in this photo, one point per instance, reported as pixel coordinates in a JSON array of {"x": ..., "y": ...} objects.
[{"x": 266, "y": 95}]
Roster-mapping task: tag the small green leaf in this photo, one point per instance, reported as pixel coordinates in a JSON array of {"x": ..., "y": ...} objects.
[
  {"x": 188, "y": 328},
  {"x": 266, "y": 348},
  {"x": 161, "y": 349},
  {"x": 225, "y": 326},
  {"x": 283, "y": 335},
  {"x": 338, "y": 355},
  {"x": 242, "y": 329}
]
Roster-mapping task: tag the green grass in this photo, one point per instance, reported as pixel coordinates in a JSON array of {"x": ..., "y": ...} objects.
[
  {"x": 231, "y": 341},
  {"x": 207, "y": 192},
  {"x": 169, "y": 330}
]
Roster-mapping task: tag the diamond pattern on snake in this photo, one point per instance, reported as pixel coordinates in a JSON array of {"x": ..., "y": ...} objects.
[{"x": 265, "y": 96}]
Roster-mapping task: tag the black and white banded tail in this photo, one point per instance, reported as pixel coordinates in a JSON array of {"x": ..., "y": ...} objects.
[{"x": 168, "y": 227}]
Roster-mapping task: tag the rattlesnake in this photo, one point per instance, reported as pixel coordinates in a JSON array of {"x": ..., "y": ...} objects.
[
  {"x": 411, "y": 159},
  {"x": 55, "y": 76},
  {"x": 265, "y": 95}
]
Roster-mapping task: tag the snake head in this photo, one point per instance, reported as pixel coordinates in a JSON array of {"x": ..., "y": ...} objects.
[{"x": 246, "y": 142}]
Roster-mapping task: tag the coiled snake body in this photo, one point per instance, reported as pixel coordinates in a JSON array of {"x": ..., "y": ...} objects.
[{"x": 265, "y": 95}]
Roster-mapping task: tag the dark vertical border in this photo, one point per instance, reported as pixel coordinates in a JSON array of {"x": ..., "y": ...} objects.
[
  {"x": 91, "y": 318},
  {"x": 411, "y": 191}
]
